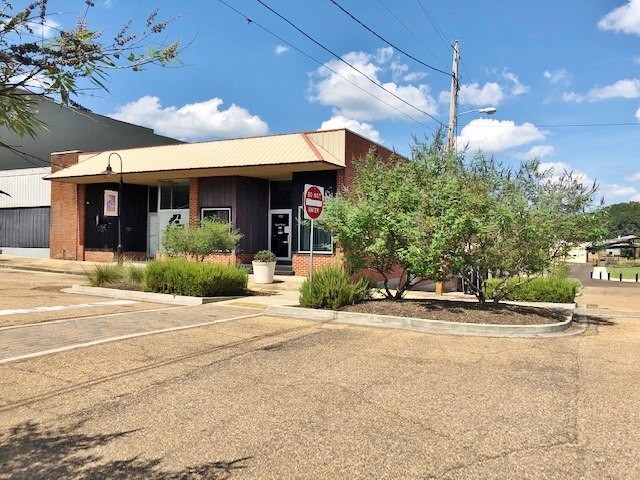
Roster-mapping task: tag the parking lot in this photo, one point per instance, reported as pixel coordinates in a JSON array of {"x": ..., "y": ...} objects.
[{"x": 267, "y": 397}]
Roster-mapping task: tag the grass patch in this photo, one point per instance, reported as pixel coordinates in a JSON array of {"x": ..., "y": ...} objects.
[{"x": 628, "y": 273}]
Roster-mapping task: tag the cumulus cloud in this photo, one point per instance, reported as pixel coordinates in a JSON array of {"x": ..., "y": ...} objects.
[
  {"x": 634, "y": 177},
  {"x": 494, "y": 136},
  {"x": 517, "y": 88},
  {"x": 615, "y": 190},
  {"x": 638, "y": 114},
  {"x": 472, "y": 94},
  {"x": 560, "y": 76},
  {"x": 623, "y": 19},
  {"x": 194, "y": 121},
  {"x": 537, "y": 151},
  {"x": 364, "y": 129},
  {"x": 556, "y": 169},
  {"x": 354, "y": 100},
  {"x": 280, "y": 49},
  {"x": 635, "y": 198},
  {"x": 628, "y": 88}
]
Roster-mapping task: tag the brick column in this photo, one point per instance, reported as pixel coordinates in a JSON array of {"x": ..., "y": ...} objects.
[
  {"x": 66, "y": 234},
  {"x": 194, "y": 202}
]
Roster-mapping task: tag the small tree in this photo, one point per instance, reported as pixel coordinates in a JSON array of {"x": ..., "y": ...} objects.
[{"x": 211, "y": 236}]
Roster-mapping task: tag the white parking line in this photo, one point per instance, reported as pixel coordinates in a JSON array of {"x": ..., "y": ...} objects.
[{"x": 57, "y": 308}]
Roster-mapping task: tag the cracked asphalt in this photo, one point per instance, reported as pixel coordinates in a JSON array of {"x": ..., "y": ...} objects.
[{"x": 268, "y": 397}]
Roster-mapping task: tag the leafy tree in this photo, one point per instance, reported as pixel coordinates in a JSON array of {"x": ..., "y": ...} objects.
[
  {"x": 211, "y": 236},
  {"x": 623, "y": 219},
  {"x": 58, "y": 65}
]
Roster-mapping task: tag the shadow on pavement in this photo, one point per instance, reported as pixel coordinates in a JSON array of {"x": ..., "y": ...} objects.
[
  {"x": 596, "y": 320},
  {"x": 29, "y": 451}
]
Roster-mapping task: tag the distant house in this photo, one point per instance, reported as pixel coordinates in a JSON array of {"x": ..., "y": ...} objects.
[
  {"x": 24, "y": 216},
  {"x": 256, "y": 184},
  {"x": 627, "y": 246}
]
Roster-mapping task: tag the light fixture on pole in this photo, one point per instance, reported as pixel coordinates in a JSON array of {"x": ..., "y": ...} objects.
[{"x": 108, "y": 172}]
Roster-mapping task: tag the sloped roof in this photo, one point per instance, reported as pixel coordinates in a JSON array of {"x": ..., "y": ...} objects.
[{"x": 198, "y": 159}]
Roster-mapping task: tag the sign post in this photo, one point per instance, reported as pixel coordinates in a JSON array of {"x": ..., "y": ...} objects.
[{"x": 313, "y": 203}]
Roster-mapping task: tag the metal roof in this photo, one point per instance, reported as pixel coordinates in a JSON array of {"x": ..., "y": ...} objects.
[{"x": 208, "y": 158}]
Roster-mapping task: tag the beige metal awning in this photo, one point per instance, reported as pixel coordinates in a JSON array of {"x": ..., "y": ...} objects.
[{"x": 270, "y": 157}]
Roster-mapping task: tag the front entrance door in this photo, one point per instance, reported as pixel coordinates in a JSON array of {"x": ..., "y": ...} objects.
[{"x": 280, "y": 233}]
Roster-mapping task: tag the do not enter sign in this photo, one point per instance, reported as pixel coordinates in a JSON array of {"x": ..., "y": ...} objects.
[{"x": 313, "y": 201}]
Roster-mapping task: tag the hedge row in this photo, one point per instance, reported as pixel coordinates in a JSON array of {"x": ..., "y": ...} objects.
[{"x": 539, "y": 289}]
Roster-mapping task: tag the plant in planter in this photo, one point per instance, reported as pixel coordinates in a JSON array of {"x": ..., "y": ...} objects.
[{"x": 264, "y": 266}]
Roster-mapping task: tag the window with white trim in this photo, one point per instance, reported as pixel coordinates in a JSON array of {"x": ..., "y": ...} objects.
[
  {"x": 222, "y": 214},
  {"x": 322, "y": 240}
]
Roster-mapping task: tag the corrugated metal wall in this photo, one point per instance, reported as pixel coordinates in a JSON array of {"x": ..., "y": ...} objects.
[
  {"x": 24, "y": 227},
  {"x": 26, "y": 187}
]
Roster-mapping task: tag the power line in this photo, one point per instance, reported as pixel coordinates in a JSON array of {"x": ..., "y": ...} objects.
[
  {"x": 250, "y": 21},
  {"x": 387, "y": 41},
  {"x": 412, "y": 33},
  {"x": 438, "y": 30},
  {"x": 347, "y": 63}
]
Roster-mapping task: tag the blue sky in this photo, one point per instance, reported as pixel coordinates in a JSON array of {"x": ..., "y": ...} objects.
[{"x": 545, "y": 65}]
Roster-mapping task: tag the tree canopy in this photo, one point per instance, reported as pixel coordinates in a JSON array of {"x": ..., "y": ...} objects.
[
  {"x": 441, "y": 213},
  {"x": 623, "y": 219},
  {"x": 59, "y": 64}
]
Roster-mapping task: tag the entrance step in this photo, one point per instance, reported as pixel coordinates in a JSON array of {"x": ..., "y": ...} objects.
[{"x": 280, "y": 269}]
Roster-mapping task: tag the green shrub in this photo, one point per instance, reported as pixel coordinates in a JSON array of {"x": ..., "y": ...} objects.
[
  {"x": 264, "y": 256},
  {"x": 106, "y": 274},
  {"x": 182, "y": 277},
  {"x": 332, "y": 288},
  {"x": 538, "y": 289},
  {"x": 133, "y": 274},
  {"x": 211, "y": 236}
]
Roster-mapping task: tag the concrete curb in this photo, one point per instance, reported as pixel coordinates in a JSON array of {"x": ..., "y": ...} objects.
[
  {"x": 420, "y": 324},
  {"x": 143, "y": 296}
]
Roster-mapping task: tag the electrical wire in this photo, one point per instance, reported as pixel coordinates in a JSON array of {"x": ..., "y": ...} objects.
[
  {"x": 253, "y": 22},
  {"x": 347, "y": 63},
  {"x": 387, "y": 41},
  {"x": 438, "y": 30},
  {"x": 413, "y": 34}
]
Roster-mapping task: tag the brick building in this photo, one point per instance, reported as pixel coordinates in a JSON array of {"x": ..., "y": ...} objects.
[{"x": 255, "y": 184}]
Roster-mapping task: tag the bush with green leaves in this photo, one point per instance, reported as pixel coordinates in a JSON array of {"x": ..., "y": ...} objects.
[
  {"x": 332, "y": 288},
  {"x": 179, "y": 276},
  {"x": 264, "y": 256},
  {"x": 114, "y": 275},
  {"x": 211, "y": 236},
  {"x": 538, "y": 289}
]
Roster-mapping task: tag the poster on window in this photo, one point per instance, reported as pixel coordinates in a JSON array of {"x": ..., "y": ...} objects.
[{"x": 110, "y": 203}]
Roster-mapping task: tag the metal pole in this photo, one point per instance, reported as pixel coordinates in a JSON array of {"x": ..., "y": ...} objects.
[
  {"x": 311, "y": 253},
  {"x": 453, "y": 101}
]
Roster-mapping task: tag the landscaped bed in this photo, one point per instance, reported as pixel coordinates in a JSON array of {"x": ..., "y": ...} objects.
[{"x": 460, "y": 311}]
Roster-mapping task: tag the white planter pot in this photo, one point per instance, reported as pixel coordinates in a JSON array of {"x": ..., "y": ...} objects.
[{"x": 263, "y": 271}]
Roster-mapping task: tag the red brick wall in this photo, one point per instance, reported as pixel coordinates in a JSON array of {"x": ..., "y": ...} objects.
[
  {"x": 66, "y": 234},
  {"x": 110, "y": 256},
  {"x": 356, "y": 147},
  {"x": 194, "y": 196},
  {"x": 300, "y": 262}
]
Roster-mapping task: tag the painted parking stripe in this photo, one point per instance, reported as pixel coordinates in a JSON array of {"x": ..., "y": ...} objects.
[{"x": 56, "y": 308}]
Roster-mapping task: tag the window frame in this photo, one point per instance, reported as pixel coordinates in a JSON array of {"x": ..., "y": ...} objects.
[
  {"x": 209, "y": 209},
  {"x": 299, "y": 219}
]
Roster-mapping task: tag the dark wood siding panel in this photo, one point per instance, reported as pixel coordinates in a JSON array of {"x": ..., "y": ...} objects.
[
  {"x": 134, "y": 218},
  {"x": 326, "y": 179},
  {"x": 252, "y": 214},
  {"x": 24, "y": 227},
  {"x": 218, "y": 192}
]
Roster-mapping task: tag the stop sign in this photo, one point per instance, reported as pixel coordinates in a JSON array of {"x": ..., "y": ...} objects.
[{"x": 313, "y": 201}]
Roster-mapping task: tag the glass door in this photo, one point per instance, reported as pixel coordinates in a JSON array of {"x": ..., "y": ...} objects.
[{"x": 280, "y": 233}]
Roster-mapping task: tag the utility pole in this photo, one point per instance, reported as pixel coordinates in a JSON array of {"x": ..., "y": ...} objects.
[
  {"x": 453, "y": 102},
  {"x": 451, "y": 131}
]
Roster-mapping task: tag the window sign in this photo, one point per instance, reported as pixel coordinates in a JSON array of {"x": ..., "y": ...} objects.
[{"x": 110, "y": 203}]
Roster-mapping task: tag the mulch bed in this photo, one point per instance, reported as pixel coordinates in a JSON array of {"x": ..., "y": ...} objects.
[{"x": 463, "y": 312}]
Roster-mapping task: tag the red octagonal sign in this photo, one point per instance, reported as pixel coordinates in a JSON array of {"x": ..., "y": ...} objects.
[{"x": 313, "y": 201}]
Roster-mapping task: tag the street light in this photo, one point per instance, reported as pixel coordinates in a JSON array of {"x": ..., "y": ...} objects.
[
  {"x": 108, "y": 172},
  {"x": 454, "y": 120}
]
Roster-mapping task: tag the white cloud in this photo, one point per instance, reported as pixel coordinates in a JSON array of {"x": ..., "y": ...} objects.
[
  {"x": 194, "y": 121},
  {"x": 638, "y": 114},
  {"x": 537, "y": 151},
  {"x": 280, "y": 49},
  {"x": 633, "y": 178},
  {"x": 351, "y": 101},
  {"x": 558, "y": 76},
  {"x": 615, "y": 190},
  {"x": 628, "y": 88},
  {"x": 45, "y": 29},
  {"x": 517, "y": 88},
  {"x": 636, "y": 59},
  {"x": 364, "y": 129},
  {"x": 490, "y": 94},
  {"x": 559, "y": 168},
  {"x": 108, "y": 3},
  {"x": 413, "y": 76},
  {"x": 493, "y": 136},
  {"x": 635, "y": 198},
  {"x": 623, "y": 19}
]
